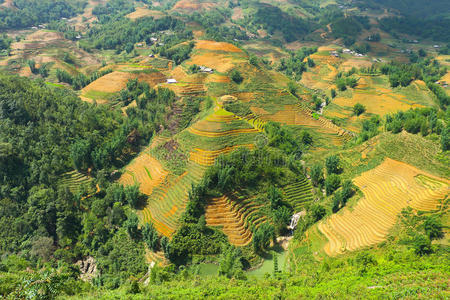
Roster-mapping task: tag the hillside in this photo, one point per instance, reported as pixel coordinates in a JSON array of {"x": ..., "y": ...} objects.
[{"x": 224, "y": 149}]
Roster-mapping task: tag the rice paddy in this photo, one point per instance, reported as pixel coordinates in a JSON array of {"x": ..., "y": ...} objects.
[{"x": 387, "y": 189}]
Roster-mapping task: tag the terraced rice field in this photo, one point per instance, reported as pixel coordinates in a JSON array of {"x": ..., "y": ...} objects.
[
  {"x": 208, "y": 157},
  {"x": 168, "y": 200},
  {"x": 235, "y": 218},
  {"x": 74, "y": 180},
  {"x": 145, "y": 171},
  {"x": 298, "y": 194},
  {"x": 389, "y": 188}
]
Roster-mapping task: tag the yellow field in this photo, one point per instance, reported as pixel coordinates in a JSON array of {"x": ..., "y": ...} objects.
[
  {"x": 208, "y": 157},
  {"x": 116, "y": 81},
  {"x": 145, "y": 171},
  {"x": 231, "y": 217},
  {"x": 387, "y": 189},
  {"x": 381, "y": 102},
  {"x": 141, "y": 12}
]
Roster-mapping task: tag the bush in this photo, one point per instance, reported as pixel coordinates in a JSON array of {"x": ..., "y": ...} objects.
[
  {"x": 332, "y": 163},
  {"x": 317, "y": 174},
  {"x": 358, "y": 109},
  {"x": 236, "y": 76},
  {"x": 332, "y": 183}
]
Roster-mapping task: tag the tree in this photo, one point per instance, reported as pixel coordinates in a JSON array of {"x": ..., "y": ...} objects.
[
  {"x": 32, "y": 64},
  {"x": 275, "y": 264},
  {"x": 317, "y": 174},
  {"x": 274, "y": 197},
  {"x": 131, "y": 225},
  {"x": 333, "y": 93},
  {"x": 262, "y": 237},
  {"x": 332, "y": 164},
  {"x": 253, "y": 60},
  {"x": 433, "y": 228},
  {"x": 230, "y": 261},
  {"x": 421, "y": 244},
  {"x": 341, "y": 84},
  {"x": 132, "y": 195},
  {"x": 337, "y": 200},
  {"x": 150, "y": 236},
  {"x": 306, "y": 138},
  {"x": 43, "y": 248},
  {"x": 364, "y": 261},
  {"x": 80, "y": 153},
  {"x": 332, "y": 183},
  {"x": 445, "y": 139},
  {"x": 311, "y": 62},
  {"x": 236, "y": 76},
  {"x": 347, "y": 191},
  {"x": 358, "y": 109},
  {"x": 316, "y": 212},
  {"x": 292, "y": 88}
]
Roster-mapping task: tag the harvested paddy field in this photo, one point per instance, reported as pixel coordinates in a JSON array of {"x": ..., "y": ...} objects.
[
  {"x": 145, "y": 171},
  {"x": 387, "y": 189}
]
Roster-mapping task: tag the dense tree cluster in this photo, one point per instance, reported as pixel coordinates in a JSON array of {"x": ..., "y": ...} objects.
[
  {"x": 33, "y": 12},
  {"x": 423, "y": 120},
  {"x": 434, "y": 28},
  {"x": 123, "y": 33},
  {"x": 294, "y": 66},
  {"x": 80, "y": 80}
]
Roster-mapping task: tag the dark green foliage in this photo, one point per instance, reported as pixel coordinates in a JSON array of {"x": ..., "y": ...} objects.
[
  {"x": 429, "y": 28},
  {"x": 306, "y": 138},
  {"x": 262, "y": 237},
  {"x": 424, "y": 69},
  {"x": 281, "y": 138},
  {"x": 5, "y": 43},
  {"x": 445, "y": 139},
  {"x": 118, "y": 33},
  {"x": 317, "y": 174},
  {"x": 349, "y": 27},
  {"x": 195, "y": 239},
  {"x": 178, "y": 53},
  {"x": 365, "y": 260},
  {"x": 332, "y": 183},
  {"x": 150, "y": 236},
  {"x": 358, "y": 109},
  {"x": 333, "y": 164},
  {"x": 316, "y": 212},
  {"x": 273, "y": 18},
  {"x": 440, "y": 93},
  {"x": 236, "y": 76},
  {"x": 33, "y": 12},
  {"x": 230, "y": 262},
  {"x": 421, "y": 244},
  {"x": 424, "y": 120},
  {"x": 341, "y": 197},
  {"x": 333, "y": 93},
  {"x": 294, "y": 66},
  {"x": 213, "y": 19},
  {"x": 121, "y": 257},
  {"x": 111, "y": 9},
  {"x": 369, "y": 128},
  {"x": 433, "y": 228}
]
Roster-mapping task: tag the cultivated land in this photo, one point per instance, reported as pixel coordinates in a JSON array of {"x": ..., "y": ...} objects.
[
  {"x": 375, "y": 244},
  {"x": 387, "y": 189}
]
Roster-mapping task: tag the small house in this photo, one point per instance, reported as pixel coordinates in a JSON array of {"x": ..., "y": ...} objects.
[
  {"x": 153, "y": 39},
  {"x": 171, "y": 80},
  {"x": 205, "y": 69},
  {"x": 151, "y": 55}
]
